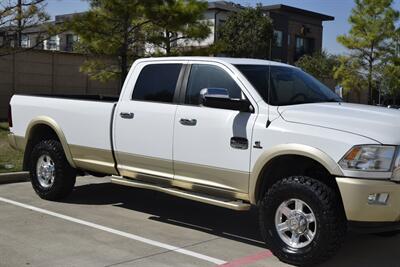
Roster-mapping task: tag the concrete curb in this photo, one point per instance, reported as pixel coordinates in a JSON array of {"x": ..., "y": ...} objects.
[{"x": 13, "y": 177}]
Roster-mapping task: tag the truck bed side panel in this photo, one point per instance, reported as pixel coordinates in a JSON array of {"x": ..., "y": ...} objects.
[{"x": 85, "y": 125}]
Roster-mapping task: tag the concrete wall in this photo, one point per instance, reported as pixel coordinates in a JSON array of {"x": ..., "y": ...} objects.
[{"x": 46, "y": 72}]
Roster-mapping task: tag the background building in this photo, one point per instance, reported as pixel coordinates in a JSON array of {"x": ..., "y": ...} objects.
[{"x": 297, "y": 31}]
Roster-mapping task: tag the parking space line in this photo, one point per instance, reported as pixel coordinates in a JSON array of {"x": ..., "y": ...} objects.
[
  {"x": 116, "y": 232},
  {"x": 248, "y": 259}
]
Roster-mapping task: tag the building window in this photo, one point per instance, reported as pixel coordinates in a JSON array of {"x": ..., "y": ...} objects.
[
  {"x": 278, "y": 36},
  {"x": 288, "y": 39},
  {"x": 53, "y": 43},
  {"x": 25, "y": 41},
  {"x": 304, "y": 46},
  {"x": 38, "y": 42},
  {"x": 71, "y": 39}
]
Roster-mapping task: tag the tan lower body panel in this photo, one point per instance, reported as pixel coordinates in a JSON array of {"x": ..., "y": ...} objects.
[
  {"x": 355, "y": 194},
  {"x": 221, "y": 182},
  {"x": 93, "y": 159},
  {"x": 226, "y": 179},
  {"x": 130, "y": 165}
]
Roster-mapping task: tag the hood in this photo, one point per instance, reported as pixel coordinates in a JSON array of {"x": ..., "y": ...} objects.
[{"x": 377, "y": 123}]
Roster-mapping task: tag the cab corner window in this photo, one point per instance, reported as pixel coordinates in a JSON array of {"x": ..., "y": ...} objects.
[
  {"x": 209, "y": 76},
  {"x": 157, "y": 83}
]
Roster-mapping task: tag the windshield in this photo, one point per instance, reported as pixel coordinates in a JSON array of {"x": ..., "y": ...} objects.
[{"x": 289, "y": 86}]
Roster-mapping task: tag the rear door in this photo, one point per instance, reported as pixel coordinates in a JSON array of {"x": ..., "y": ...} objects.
[
  {"x": 214, "y": 149},
  {"x": 144, "y": 121}
]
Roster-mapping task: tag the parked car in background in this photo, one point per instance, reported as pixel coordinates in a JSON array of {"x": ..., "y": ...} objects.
[
  {"x": 394, "y": 106},
  {"x": 234, "y": 133}
]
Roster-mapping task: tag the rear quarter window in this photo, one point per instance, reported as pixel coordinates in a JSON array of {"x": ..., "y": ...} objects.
[{"x": 157, "y": 83}]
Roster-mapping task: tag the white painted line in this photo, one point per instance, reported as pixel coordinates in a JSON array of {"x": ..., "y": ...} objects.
[{"x": 116, "y": 232}]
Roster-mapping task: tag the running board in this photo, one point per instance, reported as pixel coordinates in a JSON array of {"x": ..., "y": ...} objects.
[{"x": 221, "y": 202}]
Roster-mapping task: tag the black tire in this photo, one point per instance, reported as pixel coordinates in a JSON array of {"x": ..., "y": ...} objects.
[
  {"x": 329, "y": 216},
  {"x": 64, "y": 174}
]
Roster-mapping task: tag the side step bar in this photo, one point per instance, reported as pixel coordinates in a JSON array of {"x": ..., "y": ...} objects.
[{"x": 221, "y": 202}]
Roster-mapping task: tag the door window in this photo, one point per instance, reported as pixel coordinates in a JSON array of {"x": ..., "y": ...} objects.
[
  {"x": 157, "y": 83},
  {"x": 209, "y": 76}
]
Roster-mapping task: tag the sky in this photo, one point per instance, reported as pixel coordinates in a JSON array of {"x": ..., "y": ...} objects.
[{"x": 340, "y": 9}]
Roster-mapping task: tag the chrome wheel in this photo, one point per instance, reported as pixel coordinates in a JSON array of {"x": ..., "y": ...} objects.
[
  {"x": 45, "y": 171},
  {"x": 295, "y": 223}
]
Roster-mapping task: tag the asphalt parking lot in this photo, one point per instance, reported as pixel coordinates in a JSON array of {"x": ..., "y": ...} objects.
[{"x": 103, "y": 224}]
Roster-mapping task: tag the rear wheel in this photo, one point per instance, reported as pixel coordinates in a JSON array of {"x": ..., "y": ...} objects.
[
  {"x": 51, "y": 175},
  {"x": 301, "y": 221}
]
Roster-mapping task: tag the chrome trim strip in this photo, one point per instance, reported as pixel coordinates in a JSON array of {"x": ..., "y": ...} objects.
[{"x": 225, "y": 203}]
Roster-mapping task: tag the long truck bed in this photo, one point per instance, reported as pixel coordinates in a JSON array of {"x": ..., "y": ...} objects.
[{"x": 85, "y": 122}]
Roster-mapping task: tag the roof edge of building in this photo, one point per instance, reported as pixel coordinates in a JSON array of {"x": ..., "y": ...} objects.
[{"x": 299, "y": 11}]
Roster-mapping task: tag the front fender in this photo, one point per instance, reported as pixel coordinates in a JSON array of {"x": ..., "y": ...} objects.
[{"x": 288, "y": 149}]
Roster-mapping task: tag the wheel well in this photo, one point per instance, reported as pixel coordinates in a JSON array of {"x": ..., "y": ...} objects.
[
  {"x": 37, "y": 134},
  {"x": 291, "y": 165}
]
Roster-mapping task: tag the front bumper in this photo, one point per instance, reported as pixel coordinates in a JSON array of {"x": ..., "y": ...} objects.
[{"x": 355, "y": 194}]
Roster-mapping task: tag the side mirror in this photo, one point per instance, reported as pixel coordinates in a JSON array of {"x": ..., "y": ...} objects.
[{"x": 219, "y": 98}]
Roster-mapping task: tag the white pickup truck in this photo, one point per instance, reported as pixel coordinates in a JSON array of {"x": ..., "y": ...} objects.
[{"x": 235, "y": 133}]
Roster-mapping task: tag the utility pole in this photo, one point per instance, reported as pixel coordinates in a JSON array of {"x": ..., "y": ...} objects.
[{"x": 19, "y": 24}]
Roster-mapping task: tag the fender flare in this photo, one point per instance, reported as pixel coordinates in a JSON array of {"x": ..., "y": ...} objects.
[
  {"x": 284, "y": 150},
  {"x": 45, "y": 120}
]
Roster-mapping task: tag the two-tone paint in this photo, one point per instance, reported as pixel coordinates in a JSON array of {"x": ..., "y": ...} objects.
[{"x": 153, "y": 146}]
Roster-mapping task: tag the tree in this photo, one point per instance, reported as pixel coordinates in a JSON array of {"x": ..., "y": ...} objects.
[
  {"x": 372, "y": 25},
  {"x": 321, "y": 65},
  {"x": 391, "y": 81},
  {"x": 391, "y": 70},
  {"x": 17, "y": 16},
  {"x": 247, "y": 33},
  {"x": 111, "y": 28},
  {"x": 347, "y": 74},
  {"x": 176, "y": 25}
]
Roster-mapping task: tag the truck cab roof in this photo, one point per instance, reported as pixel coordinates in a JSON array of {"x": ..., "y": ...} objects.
[{"x": 229, "y": 60}]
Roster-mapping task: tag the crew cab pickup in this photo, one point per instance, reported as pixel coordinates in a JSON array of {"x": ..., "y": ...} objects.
[{"x": 236, "y": 133}]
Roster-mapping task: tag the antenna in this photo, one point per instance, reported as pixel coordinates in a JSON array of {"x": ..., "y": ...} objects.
[{"x": 269, "y": 93}]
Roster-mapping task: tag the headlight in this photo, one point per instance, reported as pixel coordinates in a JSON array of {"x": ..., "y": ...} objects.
[{"x": 369, "y": 158}]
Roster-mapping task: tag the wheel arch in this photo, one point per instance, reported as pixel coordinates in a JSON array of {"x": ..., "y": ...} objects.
[
  {"x": 270, "y": 158},
  {"x": 44, "y": 127}
]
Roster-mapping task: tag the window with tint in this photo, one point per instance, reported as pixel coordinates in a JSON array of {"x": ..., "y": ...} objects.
[
  {"x": 288, "y": 85},
  {"x": 157, "y": 82},
  {"x": 209, "y": 76}
]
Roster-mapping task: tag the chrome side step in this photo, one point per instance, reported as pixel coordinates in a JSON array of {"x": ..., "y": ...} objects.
[{"x": 221, "y": 202}]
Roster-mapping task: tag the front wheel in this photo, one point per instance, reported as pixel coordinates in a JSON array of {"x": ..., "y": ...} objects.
[
  {"x": 51, "y": 175},
  {"x": 301, "y": 221}
]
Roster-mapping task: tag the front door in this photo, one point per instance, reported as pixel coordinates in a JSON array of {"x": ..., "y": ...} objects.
[{"x": 212, "y": 146}]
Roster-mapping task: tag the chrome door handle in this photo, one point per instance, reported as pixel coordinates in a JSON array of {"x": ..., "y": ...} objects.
[
  {"x": 239, "y": 143},
  {"x": 188, "y": 122},
  {"x": 126, "y": 115}
]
